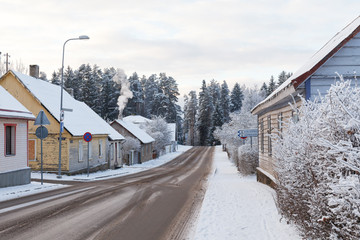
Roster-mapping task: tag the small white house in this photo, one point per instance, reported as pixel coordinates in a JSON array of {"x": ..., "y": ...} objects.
[{"x": 14, "y": 117}]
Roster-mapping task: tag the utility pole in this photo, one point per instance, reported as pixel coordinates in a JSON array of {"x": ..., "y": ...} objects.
[{"x": 7, "y": 61}]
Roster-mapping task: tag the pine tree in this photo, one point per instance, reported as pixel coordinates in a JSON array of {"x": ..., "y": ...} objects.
[
  {"x": 190, "y": 113},
  {"x": 271, "y": 86},
  {"x": 55, "y": 78},
  {"x": 264, "y": 90},
  {"x": 135, "y": 105},
  {"x": 69, "y": 78},
  {"x": 90, "y": 89},
  {"x": 282, "y": 78},
  {"x": 110, "y": 92},
  {"x": 151, "y": 88},
  {"x": 225, "y": 101},
  {"x": 169, "y": 88},
  {"x": 236, "y": 98},
  {"x": 206, "y": 110}
]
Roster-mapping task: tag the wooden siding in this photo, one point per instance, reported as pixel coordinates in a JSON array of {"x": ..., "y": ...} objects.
[
  {"x": 346, "y": 62},
  {"x": 69, "y": 146},
  {"x": 19, "y": 160},
  {"x": 266, "y": 160}
]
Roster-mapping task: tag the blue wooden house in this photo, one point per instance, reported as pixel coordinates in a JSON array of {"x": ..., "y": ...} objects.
[{"x": 339, "y": 56}]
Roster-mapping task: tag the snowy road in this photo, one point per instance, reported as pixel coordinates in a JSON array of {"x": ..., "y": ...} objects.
[
  {"x": 237, "y": 207},
  {"x": 154, "y": 204}
]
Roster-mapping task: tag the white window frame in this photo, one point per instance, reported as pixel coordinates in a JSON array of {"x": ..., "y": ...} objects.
[{"x": 12, "y": 140}]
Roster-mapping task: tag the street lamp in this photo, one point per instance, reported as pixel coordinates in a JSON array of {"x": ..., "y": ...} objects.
[{"x": 82, "y": 37}]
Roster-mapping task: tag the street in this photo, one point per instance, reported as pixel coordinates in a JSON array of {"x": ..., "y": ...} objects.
[{"x": 154, "y": 204}]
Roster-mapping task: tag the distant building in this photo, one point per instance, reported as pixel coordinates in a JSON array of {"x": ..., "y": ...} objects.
[
  {"x": 36, "y": 94},
  {"x": 339, "y": 55},
  {"x": 128, "y": 129},
  {"x": 14, "y": 124}
]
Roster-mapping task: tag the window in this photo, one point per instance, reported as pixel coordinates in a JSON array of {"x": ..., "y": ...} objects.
[
  {"x": 80, "y": 151},
  {"x": 262, "y": 135},
  {"x": 100, "y": 148},
  {"x": 269, "y": 135},
  {"x": 10, "y": 139}
]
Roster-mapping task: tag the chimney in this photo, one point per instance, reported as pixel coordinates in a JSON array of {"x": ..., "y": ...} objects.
[{"x": 34, "y": 71}]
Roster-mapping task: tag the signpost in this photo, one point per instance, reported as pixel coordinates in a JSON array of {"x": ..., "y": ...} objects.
[
  {"x": 87, "y": 138},
  {"x": 244, "y": 133},
  {"x": 41, "y": 132}
]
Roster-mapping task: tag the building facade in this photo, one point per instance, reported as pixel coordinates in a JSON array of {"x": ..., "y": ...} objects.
[
  {"x": 339, "y": 56},
  {"x": 14, "y": 158},
  {"x": 36, "y": 94}
]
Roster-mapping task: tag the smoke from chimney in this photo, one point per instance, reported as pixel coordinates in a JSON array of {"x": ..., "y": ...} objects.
[{"x": 125, "y": 92}]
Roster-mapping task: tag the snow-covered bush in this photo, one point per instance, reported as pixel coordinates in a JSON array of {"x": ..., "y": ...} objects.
[
  {"x": 131, "y": 144},
  {"x": 318, "y": 165},
  {"x": 158, "y": 130},
  {"x": 228, "y": 132},
  {"x": 248, "y": 159}
]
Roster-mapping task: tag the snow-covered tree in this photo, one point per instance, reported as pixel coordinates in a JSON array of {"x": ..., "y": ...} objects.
[
  {"x": 135, "y": 105},
  {"x": 205, "y": 115},
  {"x": 109, "y": 94},
  {"x": 55, "y": 78},
  {"x": 228, "y": 132},
  {"x": 236, "y": 98},
  {"x": 131, "y": 144},
  {"x": 190, "y": 110},
  {"x": 158, "y": 129},
  {"x": 271, "y": 86},
  {"x": 318, "y": 165},
  {"x": 225, "y": 101},
  {"x": 90, "y": 87}
]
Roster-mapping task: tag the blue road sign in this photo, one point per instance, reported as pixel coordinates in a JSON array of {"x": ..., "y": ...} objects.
[{"x": 87, "y": 137}]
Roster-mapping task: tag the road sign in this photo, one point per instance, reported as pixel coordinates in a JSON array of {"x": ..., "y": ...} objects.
[
  {"x": 41, "y": 132},
  {"x": 41, "y": 119},
  {"x": 248, "y": 132},
  {"x": 87, "y": 137}
]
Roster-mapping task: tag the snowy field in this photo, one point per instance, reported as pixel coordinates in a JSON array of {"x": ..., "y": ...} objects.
[
  {"x": 237, "y": 207},
  {"x": 35, "y": 187}
]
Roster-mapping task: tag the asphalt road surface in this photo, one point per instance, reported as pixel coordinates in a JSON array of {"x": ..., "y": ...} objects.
[{"x": 156, "y": 204}]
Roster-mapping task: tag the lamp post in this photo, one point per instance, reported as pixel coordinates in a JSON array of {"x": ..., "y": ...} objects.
[{"x": 82, "y": 37}]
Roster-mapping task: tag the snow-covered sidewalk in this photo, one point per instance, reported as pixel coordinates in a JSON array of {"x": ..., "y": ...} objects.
[
  {"x": 237, "y": 207},
  {"x": 35, "y": 187}
]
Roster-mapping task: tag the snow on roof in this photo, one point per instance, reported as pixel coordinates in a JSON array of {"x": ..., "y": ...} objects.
[
  {"x": 136, "y": 119},
  {"x": 10, "y": 107},
  {"x": 82, "y": 119},
  {"x": 136, "y": 131},
  {"x": 318, "y": 59}
]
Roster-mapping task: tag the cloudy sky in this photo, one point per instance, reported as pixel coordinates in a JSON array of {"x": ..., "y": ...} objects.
[{"x": 243, "y": 41}]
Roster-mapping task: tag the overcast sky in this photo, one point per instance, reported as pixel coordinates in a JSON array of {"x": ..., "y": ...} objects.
[{"x": 243, "y": 41}]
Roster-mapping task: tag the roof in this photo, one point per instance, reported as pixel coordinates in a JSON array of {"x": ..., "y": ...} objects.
[
  {"x": 317, "y": 60},
  {"x": 82, "y": 119},
  {"x": 10, "y": 107},
  {"x": 136, "y": 131},
  {"x": 136, "y": 119}
]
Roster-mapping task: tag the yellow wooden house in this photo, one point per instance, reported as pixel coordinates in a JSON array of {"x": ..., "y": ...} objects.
[{"x": 36, "y": 94}]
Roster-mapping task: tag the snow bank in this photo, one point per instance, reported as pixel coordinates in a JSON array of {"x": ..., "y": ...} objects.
[{"x": 237, "y": 207}]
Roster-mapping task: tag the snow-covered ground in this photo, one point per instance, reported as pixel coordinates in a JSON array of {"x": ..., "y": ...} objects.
[
  {"x": 35, "y": 187},
  {"x": 237, "y": 207}
]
